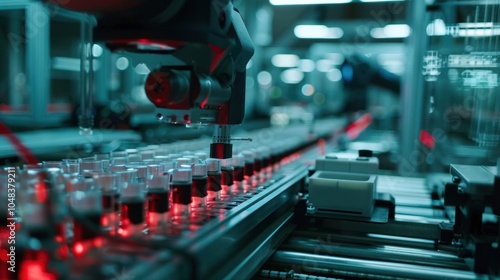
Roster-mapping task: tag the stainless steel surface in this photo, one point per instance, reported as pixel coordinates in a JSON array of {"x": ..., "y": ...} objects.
[
  {"x": 348, "y": 267},
  {"x": 239, "y": 243},
  {"x": 374, "y": 250}
]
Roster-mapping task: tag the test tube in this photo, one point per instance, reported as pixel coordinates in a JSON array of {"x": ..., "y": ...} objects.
[
  {"x": 119, "y": 160},
  {"x": 71, "y": 166},
  {"x": 238, "y": 173},
  {"x": 88, "y": 167},
  {"x": 249, "y": 167},
  {"x": 147, "y": 155},
  {"x": 88, "y": 206},
  {"x": 158, "y": 203},
  {"x": 107, "y": 184},
  {"x": 257, "y": 166},
  {"x": 199, "y": 189},
  {"x": 133, "y": 206},
  {"x": 51, "y": 164},
  {"x": 214, "y": 179},
  {"x": 266, "y": 162},
  {"x": 134, "y": 157},
  {"x": 142, "y": 171},
  {"x": 181, "y": 194},
  {"x": 117, "y": 167},
  {"x": 155, "y": 170},
  {"x": 226, "y": 178},
  {"x": 183, "y": 161},
  {"x": 120, "y": 154}
]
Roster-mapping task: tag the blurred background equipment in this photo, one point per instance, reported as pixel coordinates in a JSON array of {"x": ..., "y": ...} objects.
[{"x": 266, "y": 139}]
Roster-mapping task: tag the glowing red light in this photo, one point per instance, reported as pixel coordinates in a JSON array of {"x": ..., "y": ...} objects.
[
  {"x": 3, "y": 255},
  {"x": 78, "y": 249},
  {"x": 34, "y": 270},
  {"x": 123, "y": 232},
  {"x": 105, "y": 221},
  {"x": 41, "y": 192},
  {"x": 354, "y": 129},
  {"x": 98, "y": 242},
  {"x": 427, "y": 139}
]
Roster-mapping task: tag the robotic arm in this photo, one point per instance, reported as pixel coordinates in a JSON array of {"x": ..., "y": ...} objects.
[{"x": 208, "y": 36}]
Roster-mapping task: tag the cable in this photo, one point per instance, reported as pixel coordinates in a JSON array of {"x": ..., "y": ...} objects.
[{"x": 21, "y": 149}]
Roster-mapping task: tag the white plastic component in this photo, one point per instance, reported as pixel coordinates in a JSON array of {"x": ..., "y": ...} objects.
[
  {"x": 343, "y": 193},
  {"x": 345, "y": 164}
]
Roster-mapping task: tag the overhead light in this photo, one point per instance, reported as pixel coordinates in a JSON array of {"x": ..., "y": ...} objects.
[
  {"x": 292, "y": 76},
  {"x": 122, "y": 63},
  {"x": 324, "y": 65},
  {"x": 307, "y": 2},
  {"x": 264, "y": 78},
  {"x": 285, "y": 60},
  {"x": 307, "y": 65},
  {"x": 318, "y": 32},
  {"x": 391, "y": 31},
  {"x": 335, "y": 58},
  {"x": 334, "y": 75},
  {"x": 308, "y": 90}
]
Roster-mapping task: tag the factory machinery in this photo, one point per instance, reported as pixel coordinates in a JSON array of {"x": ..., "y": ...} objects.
[
  {"x": 293, "y": 209},
  {"x": 287, "y": 205}
]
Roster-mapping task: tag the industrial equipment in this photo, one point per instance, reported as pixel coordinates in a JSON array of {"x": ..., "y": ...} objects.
[{"x": 294, "y": 203}]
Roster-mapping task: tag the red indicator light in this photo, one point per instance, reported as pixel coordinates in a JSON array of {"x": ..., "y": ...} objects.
[
  {"x": 427, "y": 139},
  {"x": 78, "y": 249}
]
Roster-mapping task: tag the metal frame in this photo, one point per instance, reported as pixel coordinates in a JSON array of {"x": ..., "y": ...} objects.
[{"x": 38, "y": 65}]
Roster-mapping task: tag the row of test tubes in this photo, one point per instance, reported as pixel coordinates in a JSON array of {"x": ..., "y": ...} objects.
[{"x": 154, "y": 190}]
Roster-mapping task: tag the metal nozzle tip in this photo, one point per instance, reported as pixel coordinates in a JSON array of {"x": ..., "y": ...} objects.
[{"x": 86, "y": 131}]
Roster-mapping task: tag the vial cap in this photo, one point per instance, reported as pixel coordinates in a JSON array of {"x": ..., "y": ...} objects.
[
  {"x": 238, "y": 160},
  {"x": 102, "y": 156},
  {"x": 200, "y": 169},
  {"x": 213, "y": 165},
  {"x": 182, "y": 175},
  {"x": 160, "y": 182},
  {"x": 162, "y": 158},
  {"x": 134, "y": 157},
  {"x": 142, "y": 170},
  {"x": 183, "y": 161},
  {"x": 155, "y": 169},
  {"x": 119, "y": 160},
  {"x": 226, "y": 163},
  {"x": 106, "y": 181},
  {"x": 194, "y": 159},
  {"x": 117, "y": 167},
  {"x": 118, "y": 154},
  {"x": 249, "y": 156},
  {"x": 147, "y": 155},
  {"x": 127, "y": 175},
  {"x": 91, "y": 165}
]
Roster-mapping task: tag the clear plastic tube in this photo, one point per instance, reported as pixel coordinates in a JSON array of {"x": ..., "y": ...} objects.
[
  {"x": 214, "y": 179},
  {"x": 71, "y": 166},
  {"x": 133, "y": 209},
  {"x": 158, "y": 203},
  {"x": 86, "y": 115},
  {"x": 88, "y": 205},
  {"x": 226, "y": 178},
  {"x": 199, "y": 191},
  {"x": 181, "y": 195},
  {"x": 107, "y": 184}
]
